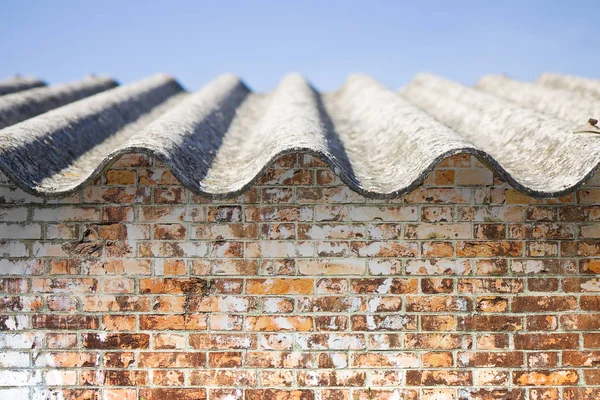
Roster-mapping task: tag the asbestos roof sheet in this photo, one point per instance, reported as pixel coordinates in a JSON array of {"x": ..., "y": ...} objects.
[{"x": 382, "y": 143}]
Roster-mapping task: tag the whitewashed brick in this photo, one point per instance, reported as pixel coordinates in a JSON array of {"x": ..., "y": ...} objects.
[
  {"x": 389, "y": 214},
  {"x": 13, "y": 249},
  {"x": 13, "y": 214},
  {"x": 20, "y": 377},
  {"x": 19, "y": 231},
  {"x": 64, "y": 214},
  {"x": 14, "y": 359},
  {"x": 25, "y": 340},
  {"x": 48, "y": 249},
  {"x": 21, "y": 267}
]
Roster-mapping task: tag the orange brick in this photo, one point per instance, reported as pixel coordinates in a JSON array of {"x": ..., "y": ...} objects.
[
  {"x": 279, "y": 286},
  {"x": 275, "y": 324},
  {"x": 120, "y": 177}
]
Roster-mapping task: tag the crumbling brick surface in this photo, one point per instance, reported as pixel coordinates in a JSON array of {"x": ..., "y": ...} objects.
[{"x": 299, "y": 289}]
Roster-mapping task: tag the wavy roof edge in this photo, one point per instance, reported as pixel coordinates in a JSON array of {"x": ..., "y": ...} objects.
[{"x": 219, "y": 140}]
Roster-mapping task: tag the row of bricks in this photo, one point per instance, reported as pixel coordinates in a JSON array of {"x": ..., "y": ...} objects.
[
  {"x": 299, "y": 213},
  {"x": 525, "y": 268},
  {"x": 347, "y": 214},
  {"x": 302, "y": 194},
  {"x": 314, "y": 341},
  {"x": 159, "y": 174},
  {"x": 435, "y": 343},
  {"x": 328, "y": 304},
  {"x": 302, "y": 304},
  {"x": 261, "y": 360},
  {"x": 304, "y": 231},
  {"x": 298, "y": 249},
  {"x": 298, "y": 360},
  {"x": 470, "y": 393},
  {"x": 308, "y": 322},
  {"x": 278, "y": 286},
  {"x": 293, "y": 176},
  {"x": 318, "y": 378}
]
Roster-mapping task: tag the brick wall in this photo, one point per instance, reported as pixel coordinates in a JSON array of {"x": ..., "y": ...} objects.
[{"x": 300, "y": 289}]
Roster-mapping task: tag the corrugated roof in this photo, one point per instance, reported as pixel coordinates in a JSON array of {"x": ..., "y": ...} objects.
[
  {"x": 382, "y": 143},
  {"x": 19, "y": 83}
]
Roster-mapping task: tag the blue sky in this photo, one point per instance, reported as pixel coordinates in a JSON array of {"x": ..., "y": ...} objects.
[{"x": 261, "y": 41}]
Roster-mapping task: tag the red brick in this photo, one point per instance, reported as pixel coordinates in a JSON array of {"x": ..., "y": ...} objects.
[
  {"x": 582, "y": 393},
  {"x": 270, "y": 324},
  {"x": 173, "y": 393},
  {"x": 226, "y": 359},
  {"x": 118, "y": 322},
  {"x": 491, "y": 304},
  {"x": 490, "y": 323},
  {"x": 272, "y": 359},
  {"x": 541, "y": 322},
  {"x": 115, "y": 341},
  {"x": 552, "y": 341},
  {"x": 581, "y": 358},
  {"x": 589, "y": 303},
  {"x": 227, "y": 341},
  {"x": 384, "y": 249},
  {"x": 279, "y": 286},
  {"x": 478, "y": 293},
  {"x": 278, "y": 394},
  {"x": 346, "y": 378},
  {"x": 385, "y": 394},
  {"x": 169, "y": 196},
  {"x": 582, "y": 322},
  {"x": 125, "y": 378},
  {"x": 438, "y": 377},
  {"x": 542, "y": 284},
  {"x": 542, "y": 359},
  {"x": 67, "y": 359},
  {"x": 490, "y": 359},
  {"x": 173, "y": 286},
  {"x": 171, "y": 359},
  {"x": 384, "y": 286},
  {"x": 489, "y": 231},
  {"x": 437, "y": 359},
  {"x": 492, "y": 341},
  {"x": 395, "y": 322},
  {"x": 223, "y": 377},
  {"x": 445, "y": 341},
  {"x": 168, "y": 377},
  {"x": 579, "y": 285},
  {"x": 543, "y": 303},
  {"x": 438, "y": 304},
  {"x": 545, "y": 378},
  {"x": 438, "y": 323},
  {"x": 173, "y": 322},
  {"x": 433, "y": 286},
  {"x": 437, "y": 249},
  {"x": 490, "y": 285},
  {"x": 64, "y": 322},
  {"x": 121, "y": 359},
  {"x": 493, "y": 394},
  {"x": 591, "y": 340},
  {"x": 383, "y": 360},
  {"x": 489, "y": 249}
]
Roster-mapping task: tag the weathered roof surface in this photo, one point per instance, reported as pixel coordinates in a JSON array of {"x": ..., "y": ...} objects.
[
  {"x": 19, "y": 83},
  {"x": 382, "y": 143},
  {"x": 25, "y": 104}
]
